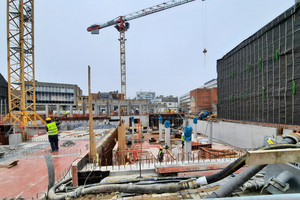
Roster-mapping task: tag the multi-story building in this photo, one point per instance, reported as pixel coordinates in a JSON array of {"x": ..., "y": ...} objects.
[
  {"x": 3, "y": 95},
  {"x": 210, "y": 84},
  {"x": 184, "y": 102},
  {"x": 167, "y": 104},
  {"x": 81, "y": 100},
  {"x": 146, "y": 95},
  {"x": 53, "y": 94},
  {"x": 187, "y": 99},
  {"x": 203, "y": 99}
]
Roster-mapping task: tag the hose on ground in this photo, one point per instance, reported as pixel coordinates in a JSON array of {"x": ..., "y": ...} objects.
[
  {"x": 249, "y": 172},
  {"x": 127, "y": 188},
  {"x": 240, "y": 162}
]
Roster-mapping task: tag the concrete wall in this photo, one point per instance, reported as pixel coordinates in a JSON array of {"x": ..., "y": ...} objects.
[{"x": 237, "y": 134}]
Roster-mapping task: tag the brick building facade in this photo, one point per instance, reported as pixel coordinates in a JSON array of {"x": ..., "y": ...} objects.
[{"x": 203, "y": 99}]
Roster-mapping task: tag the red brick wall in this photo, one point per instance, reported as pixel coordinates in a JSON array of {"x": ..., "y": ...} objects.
[{"x": 204, "y": 98}]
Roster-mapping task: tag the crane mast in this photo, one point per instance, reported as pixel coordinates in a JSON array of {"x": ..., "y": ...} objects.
[
  {"x": 20, "y": 61},
  {"x": 122, "y": 25}
]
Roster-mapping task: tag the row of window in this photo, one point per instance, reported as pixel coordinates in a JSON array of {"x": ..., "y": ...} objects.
[
  {"x": 65, "y": 97},
  {"x": 46, "y": 88},
  {"x": 54, "y": 102}
]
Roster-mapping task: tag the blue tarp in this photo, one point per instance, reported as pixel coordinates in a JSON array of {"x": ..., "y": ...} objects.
[
  {"x": 167, "y": 124},
  {"x": 195, "y": 120},
  {"x": 160, "y": 119},
  {"x": 187, "y": 133}
]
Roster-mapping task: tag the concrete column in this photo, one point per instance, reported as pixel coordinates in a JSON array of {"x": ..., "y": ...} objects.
[
  {"x": 96, "y": 110},
  {"x": 129, "y": 108},
  {"x": 195, "y": 128},
  {"x": 57, "y": 108},
  {"x": 46, "y": 109},
  {"x": 83, "y": 108},
  {"x": 71, "y": 111},
  {"x": 167, "y": 136},
  {"x": 167, "y": 133},
  {"x": 160, "y": 131},
  {"x": 187, "y": 150},
  {"x": 210, "y": 137},
  {"x": 132, "y": 123},
  {"x": 140, "y": 109}
]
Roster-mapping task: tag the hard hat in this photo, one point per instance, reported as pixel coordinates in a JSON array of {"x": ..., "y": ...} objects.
[
  {"x": 48, "y": 119},
  {"x": 160, "y": 148}
]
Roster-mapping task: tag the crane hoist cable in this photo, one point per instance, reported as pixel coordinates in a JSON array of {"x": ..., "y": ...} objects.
[{"x": 204, "y": 30}]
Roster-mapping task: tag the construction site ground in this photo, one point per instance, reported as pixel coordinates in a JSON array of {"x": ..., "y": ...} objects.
[{"x": 29, "y": 178}]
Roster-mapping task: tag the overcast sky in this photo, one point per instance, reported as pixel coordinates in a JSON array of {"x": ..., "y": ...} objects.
[{"x": 164, "y": 50}]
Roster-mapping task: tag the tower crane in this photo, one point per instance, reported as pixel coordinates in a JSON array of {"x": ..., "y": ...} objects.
[{"x": 122, "y": 25}]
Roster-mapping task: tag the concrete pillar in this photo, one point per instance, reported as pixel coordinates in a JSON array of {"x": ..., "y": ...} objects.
[
  {"x": 140, "y": 109},
  {"x": 57, "y": 108},
  {"x": 167, "y": 133},
  {"x": 46, "y": 109},
  {"x": 83, "y": 108},
  {"x": 132, "y": 127},
  {"x": 96, "y": 110},
  {"x": 160, "y": 131},
  {"x": 187, "y": 150},
  {"x": 210, "y": 137},
  {"x": 129, "y": 108},
  {"x": 71, "y": 110},
  {"x": 195, "y": 127}
]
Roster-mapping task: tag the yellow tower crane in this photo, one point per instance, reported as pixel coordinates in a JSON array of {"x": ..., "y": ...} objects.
[{"x": 20, "y": 61}]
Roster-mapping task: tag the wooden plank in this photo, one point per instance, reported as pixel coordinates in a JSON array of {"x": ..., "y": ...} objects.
[{"x": 262, "y": 157}]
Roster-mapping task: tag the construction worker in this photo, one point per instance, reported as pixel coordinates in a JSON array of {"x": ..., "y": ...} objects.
[
  {"x": 66, "y": 114},
  {"x": 52, "y": 134},
  {"x": 160, "y": 154},
  {"x": 182, "y": 140}
]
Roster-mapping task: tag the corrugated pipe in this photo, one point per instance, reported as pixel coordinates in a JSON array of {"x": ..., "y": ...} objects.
[
  {"x": 250, "y": 171},
  {"x": 127, "y": 188}
]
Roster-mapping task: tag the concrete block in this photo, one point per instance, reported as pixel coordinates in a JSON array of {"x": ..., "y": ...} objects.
[
  {"x": 15, "y": 139},
  {"x": 262, "y": 157}
]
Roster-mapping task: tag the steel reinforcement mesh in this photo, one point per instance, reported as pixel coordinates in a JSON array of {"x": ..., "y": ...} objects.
[{"x": 259, "y": 80}]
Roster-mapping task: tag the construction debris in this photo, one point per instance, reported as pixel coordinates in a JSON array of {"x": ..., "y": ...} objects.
[{"x": 67, "y": 143}]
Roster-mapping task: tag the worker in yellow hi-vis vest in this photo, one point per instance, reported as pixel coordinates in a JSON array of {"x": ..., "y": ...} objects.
[
  {"x": 160, "y": 154},
  {"x": 52, "y": 134}
]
